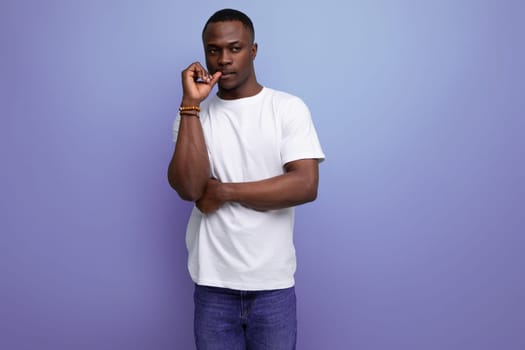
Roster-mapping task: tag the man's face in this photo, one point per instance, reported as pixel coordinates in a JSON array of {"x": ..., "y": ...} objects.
[{"x": 228, "y": 47}]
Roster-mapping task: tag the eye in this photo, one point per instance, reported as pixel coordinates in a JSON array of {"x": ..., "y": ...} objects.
[
  {"x": 212, "y": 51},
  {"x": 236, "y": 49}
]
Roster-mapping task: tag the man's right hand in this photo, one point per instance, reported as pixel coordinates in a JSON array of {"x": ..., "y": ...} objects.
[{"x": 197, "y": 84}]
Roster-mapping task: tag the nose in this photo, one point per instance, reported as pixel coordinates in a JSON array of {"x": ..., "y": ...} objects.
[{"x": 224, "y": 58}]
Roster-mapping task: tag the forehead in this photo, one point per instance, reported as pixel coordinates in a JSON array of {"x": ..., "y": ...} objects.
[{"x": 225, "y": 32}]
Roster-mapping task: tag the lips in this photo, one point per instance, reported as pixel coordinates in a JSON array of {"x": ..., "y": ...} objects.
[{"x": 226, "y": 74}]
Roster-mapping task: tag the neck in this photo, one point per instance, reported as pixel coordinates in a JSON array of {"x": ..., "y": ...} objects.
[{"x": 235, "y": 94}]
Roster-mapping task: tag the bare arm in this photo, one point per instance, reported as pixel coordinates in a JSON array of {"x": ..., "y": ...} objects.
[
  {"x": 189, "y": 168},
  {"x": 296, "y": 186}
]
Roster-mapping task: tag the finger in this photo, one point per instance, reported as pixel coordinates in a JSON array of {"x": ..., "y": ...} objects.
[
  {"x": 196, "y": 72},
  {"x": 201, "y": 73},
  {"x": 215, "y": 78},
  {"x": 205, "y": 77},
  {"x": 202, "y": 76},
  {"x": 195, "y": 66}
]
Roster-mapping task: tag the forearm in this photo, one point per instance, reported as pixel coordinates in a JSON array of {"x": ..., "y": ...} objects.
[
  {"x": 189, "y": 169},
  {"x": 283, "y": 191}
]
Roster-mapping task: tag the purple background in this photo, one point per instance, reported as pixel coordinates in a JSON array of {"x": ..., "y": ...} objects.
[{"x": 415, "y": 242}]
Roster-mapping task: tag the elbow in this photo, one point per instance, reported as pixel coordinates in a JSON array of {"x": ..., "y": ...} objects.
[
  {"x": 312, "y": 186},
  {"x": 307, "y": 190},
  {"x": 185, "y": 191},
  {"x": 306, "y": 175},
  {"x": 310, "y": 193},
  {"x": 191, "y": 196}
]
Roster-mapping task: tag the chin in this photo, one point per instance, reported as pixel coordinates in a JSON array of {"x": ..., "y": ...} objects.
[{"x": 227, "y": 87}]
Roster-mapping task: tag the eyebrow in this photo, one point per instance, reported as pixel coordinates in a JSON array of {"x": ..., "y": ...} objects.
[{"x": 236, "y": 42}]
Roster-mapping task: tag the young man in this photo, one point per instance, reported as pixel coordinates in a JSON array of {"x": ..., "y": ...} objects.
[{"x": 246, "y": 157}]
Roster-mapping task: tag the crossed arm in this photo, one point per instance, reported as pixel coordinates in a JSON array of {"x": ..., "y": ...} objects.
[
  {"x": 296, "y": 186},
  {"x": 189, "y": 175}
]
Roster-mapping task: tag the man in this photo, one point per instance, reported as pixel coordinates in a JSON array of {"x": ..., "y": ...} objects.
[{"x": 246, "y": 156}]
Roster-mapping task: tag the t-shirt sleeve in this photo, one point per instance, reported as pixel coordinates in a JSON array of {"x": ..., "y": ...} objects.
[{"x": 299, "y": 137}]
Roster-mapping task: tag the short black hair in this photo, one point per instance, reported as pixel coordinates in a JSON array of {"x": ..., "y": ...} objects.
[{"x": 225, "y": 15}]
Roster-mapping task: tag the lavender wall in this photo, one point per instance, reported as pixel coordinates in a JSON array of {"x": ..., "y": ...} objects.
[{"x": 415, "y": 241}]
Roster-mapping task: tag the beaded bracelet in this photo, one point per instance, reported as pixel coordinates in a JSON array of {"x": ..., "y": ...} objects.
[
  {"x": 189, "y": 113},
  {"x": 189, "y": 108}
]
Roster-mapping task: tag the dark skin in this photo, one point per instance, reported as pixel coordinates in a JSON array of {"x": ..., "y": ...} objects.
[{"x": 230, "y": 52}]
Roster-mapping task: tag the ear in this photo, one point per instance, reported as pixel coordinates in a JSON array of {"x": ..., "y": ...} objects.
[{"x": 254, "y": 51}]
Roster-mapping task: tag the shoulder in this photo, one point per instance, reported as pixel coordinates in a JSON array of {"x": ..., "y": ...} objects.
[
  {"x": 285, "y": 102},
  {"x": 281, "y": 95}
]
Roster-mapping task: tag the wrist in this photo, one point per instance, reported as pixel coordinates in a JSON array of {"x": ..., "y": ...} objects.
[
  {"x": 186, "y": 101},
  {"x": 226, "y": 192}
]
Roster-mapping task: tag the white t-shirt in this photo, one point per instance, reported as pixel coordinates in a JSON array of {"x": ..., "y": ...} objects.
[{"x": 249, "y": 139}]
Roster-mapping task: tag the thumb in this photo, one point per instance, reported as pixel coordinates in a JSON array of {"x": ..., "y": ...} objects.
[{"x": 215, "y": 77}]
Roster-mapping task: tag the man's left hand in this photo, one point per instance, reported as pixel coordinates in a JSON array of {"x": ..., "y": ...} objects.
[{"x": 210, "y": 201}]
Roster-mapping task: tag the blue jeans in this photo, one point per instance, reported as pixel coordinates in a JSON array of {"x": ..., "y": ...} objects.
[{"x": 227, "y": 319}]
